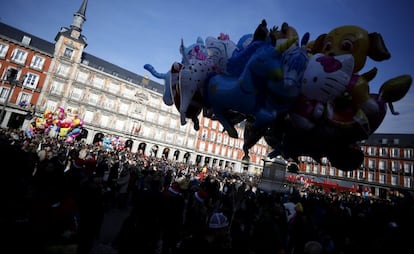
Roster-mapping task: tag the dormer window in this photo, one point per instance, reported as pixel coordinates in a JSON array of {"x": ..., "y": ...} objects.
[{"x": 26, "y": 40}]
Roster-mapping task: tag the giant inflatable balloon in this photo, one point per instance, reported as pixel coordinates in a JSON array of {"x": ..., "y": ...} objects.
[{"x": 303, "y": 97}]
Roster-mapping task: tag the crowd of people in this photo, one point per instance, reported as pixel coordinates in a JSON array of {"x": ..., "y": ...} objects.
[{"x": 57, "y": 193}]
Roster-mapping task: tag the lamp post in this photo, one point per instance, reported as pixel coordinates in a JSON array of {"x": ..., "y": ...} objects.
[{"x": 11, "y": 78}]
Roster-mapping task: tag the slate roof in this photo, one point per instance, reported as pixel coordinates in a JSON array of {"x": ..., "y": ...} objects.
[
  {"x": 382, "y": 139},
  {"x": 10, "y": 33},
  {"x": 15, "y": 35}
]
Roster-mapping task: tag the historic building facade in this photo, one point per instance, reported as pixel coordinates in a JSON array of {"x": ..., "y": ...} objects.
[
  {"x": 112, "y": 101},
  {"x": 24, "y": 62},
  {"x": 37, "y": 75},
  {"x": 388, "y": 166}
]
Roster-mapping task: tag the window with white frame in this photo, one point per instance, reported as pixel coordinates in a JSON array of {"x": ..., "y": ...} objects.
[
  {"x": 210, "y": 148},
  {"x": 150, "y": 117},
  {"x": 235, "y": 155},
  {"x": 154, "y": 102},
  {"x": 308, "y": 168},
  {"x": 63, "y": 70},
  {"x": 217, "y": 150},
  {"x": 162, "y": 120},
  {"x": 408, "y": 182},
  {"x": 408, "y": 153},
  {"x": 371, "y": 177},
  {"x": 204, "y": 134},
  {"x": 4, "y": 91},
  {"x": 24, "y": 99},
  {"x": 213, "y": 136},
  {"x": 82, "y": 76},
  {"x": 382, "y": 178},
  {"x": 361, "y": 175},
  {"x": 93, "y": 98},
  {"x": 395, "y": 152},
  {"x": 169, "y": 138},
  {"x": 37, "y": 62},
  {"x": 394, "y": 180},
  {"x": 371, "y": 163},
  {"x": 206, "y": 122},
  {"x": 19, "y": 56},
  {"x": 138, "y": 108},
  {"x": 223, "y": 151},
  {"x": 395, "y": 166},
  {"x": 68, "y": 53},
  {"x": 228, "y": 152},
  {"x": 332, "y": 171},
  {"x": 114, "y": 87},
  {"x": 232, "y": 142},
  {"x": 214, "y": 125},
  {"x": 31, "y": 80},
  {"x": 225, "y": 139},
  {"x": 382, "y": 165},
  {"x": 219, "y": 137},
  {"x": 57, "y": 87},
  {"x": 109, "y": 103},
  {"x": 104, "y": 120},
  {"x": 76, "y": 94},
  {"x": 3, "y": 50},
  {"x": 98, "y": 82},
  {"x": 315, "y": 169},
  {"x": 88, "y": 118},
  {"x": 51, "y": 105},
  {"x": 128, "y": 93},
  {"x": 202, "y": 146},
  {"x": 123, "y": 108},
  {"x": 383, "y": 152},
  {"x": 372, "y": 151},
  {"x": 323, "y": 170},
  {"x": 120, "y": 124},
  {"x": 408, "y": 168},
  {"x": 180, "y": 140},
  {"x": 173, "y": 123}
]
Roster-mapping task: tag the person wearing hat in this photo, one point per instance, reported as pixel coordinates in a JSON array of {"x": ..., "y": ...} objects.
[
  {"x": 214, "y": 239},
  {"x": 218, "y": 235}
]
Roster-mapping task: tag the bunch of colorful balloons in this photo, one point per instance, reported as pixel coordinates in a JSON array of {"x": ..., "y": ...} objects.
[
  {"x": 58, "y": 123},
  {"x": 304, "y": 97}
]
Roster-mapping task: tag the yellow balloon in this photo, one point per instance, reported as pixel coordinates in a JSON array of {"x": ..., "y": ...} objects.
[{"x": 63, "y": 132}]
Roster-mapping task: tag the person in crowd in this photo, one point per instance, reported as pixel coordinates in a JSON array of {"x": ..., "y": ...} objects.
[
  {"x": 172, "y": 217},
  {"x": 52, "y": 195}
]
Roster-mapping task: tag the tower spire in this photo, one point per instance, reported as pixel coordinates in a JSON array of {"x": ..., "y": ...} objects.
[{"x": 79, "y": 17}]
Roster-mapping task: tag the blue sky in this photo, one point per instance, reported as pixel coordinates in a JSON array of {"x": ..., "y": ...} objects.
[{"x": 131, "y": 33}]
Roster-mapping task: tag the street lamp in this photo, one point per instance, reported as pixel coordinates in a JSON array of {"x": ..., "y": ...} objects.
[{"x": 11, "y": 79}]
